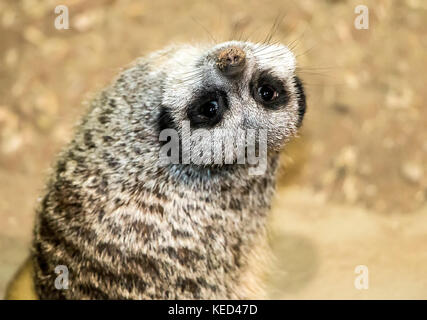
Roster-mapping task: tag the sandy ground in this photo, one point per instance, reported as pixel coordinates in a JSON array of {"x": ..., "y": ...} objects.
[
  {"x": 319, "y": 245},
  {"x": 354, "y": 186}
]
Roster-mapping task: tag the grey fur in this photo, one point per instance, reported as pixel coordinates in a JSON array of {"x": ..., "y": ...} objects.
[{"x": 126, "y": 227}]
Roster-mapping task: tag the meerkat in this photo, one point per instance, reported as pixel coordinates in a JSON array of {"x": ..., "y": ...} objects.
[{"x": 128, "y": 228}]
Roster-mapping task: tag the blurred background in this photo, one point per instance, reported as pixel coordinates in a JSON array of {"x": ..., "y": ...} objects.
[{"x": 353, "y": 189}]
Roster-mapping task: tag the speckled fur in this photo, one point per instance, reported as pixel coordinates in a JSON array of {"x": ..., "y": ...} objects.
[{"x": 126, "y": 227}]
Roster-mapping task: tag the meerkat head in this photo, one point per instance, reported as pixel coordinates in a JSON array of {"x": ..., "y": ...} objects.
[{"x": 231, "y": 88}]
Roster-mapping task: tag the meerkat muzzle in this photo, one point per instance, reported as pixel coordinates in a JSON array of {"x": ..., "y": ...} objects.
[{"x": 231, "y": 61}]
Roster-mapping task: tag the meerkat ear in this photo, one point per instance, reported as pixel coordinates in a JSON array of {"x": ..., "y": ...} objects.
[{"x": 302, "y": 106}]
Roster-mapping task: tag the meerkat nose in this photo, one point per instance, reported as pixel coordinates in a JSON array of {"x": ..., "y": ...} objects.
[{"x": 231, "y": 61}]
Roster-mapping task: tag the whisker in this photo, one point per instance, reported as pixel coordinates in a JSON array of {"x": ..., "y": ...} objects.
[
  {"x": 205, "y": 29},
  {"x": 274, "y": 28}
]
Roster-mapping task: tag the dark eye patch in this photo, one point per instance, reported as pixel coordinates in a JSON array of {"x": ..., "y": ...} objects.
[
  {"x": 266, "y": 80},
  {"x": 207, "y": 109},
  {"x": 165, "y": 120},
  {"x": 302, "y": 105}
]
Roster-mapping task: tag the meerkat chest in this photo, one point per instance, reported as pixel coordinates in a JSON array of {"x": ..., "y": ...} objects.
[{"x": 196, "y": 247}]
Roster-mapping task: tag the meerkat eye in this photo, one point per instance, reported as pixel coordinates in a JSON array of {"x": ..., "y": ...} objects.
[
  {"x": 209, "y": 109},
  {"x": 267, "y": 93}
]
